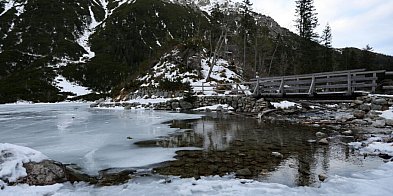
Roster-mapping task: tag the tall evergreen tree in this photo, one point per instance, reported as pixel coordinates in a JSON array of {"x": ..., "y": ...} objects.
[
  {"x": 326, "y": 40},
  {"x": 248, "y": 26},
  {"x": 306, "y": 23},
  {"x": 307, "y": 20}
]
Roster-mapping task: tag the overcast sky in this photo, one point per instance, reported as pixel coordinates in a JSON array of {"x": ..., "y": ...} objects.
[{"x": 354, "y": 22}]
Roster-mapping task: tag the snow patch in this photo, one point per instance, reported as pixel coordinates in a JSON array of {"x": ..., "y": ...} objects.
[
  {"x": 284, "y": 104},
  {"x": 66, "y": 86},
  {"x": 388, "y": 114},
  {"x": 216, "y": 107},
  {"x": 12, "y": 158},
  {"x": 19, "y": 6},
  {"x": 373, "y": 146}
]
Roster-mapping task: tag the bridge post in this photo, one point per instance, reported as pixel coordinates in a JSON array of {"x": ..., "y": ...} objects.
[
  {"x": 349, "y": 84},
  {"x": 374, "y": 83},
  {"x": 312, "y": 87},
  {"x": 281, "y": 89}
]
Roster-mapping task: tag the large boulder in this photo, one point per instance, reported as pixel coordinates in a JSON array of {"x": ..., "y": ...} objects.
[
  {"x": 46, "y": 172},
  {"x": 185, "y": 105},
  {"x": 380, "y": 101}
]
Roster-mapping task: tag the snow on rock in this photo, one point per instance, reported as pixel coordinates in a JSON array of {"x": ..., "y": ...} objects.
[
  {"x": 369, "y": 182},
  {"x": 284, "y": 104},
  {"x": 12, "y": 158},
  {"x": 388, "y": 114},
  {"x": 67, "y": 86},
  {"x": 217, "y": 107},
  {"x": 373, "y": 146}
]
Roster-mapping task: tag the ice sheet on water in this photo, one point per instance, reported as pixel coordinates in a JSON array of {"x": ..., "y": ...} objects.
[{"x": 94, "y": 139}]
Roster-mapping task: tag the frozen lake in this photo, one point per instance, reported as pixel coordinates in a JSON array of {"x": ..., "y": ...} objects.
[{"x": 93, "y": 139}]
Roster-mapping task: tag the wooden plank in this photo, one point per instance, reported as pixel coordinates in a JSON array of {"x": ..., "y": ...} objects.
[
  {"x": 389, "y": 73},
  {"x": 364, "y": 85},
  {"x": 293, "y": 88},
  {"x": 387, "y": 87},
  {"x": 332, "y": 86}
]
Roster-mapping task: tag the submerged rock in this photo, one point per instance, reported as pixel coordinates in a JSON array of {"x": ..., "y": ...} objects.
[
  {"x": 320, "y": 134},
  {"x": 111, "y": 177},
  {"x": 244, "y": 172}
]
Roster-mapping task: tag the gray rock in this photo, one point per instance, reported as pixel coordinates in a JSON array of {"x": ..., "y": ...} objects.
[
  {"x": 74, "y": 174},
  {"x": 175, "y": 105},
  {"x": 320, "y": 134},
  {"x": 322, "y": 177},
  {"x": 358, "y": 102},
  {"x": 380, "y": 101},
  {"x": 365, "y": 107},
  {"x": 110, "y": 177},
  {"x": 244, "y": 172},
  {"x": 389, "y": 122},
  {"x": 185, "y": 105},
  {"x": 323, "y": 141},
  {"x": 359, "y": 114},
  {"x": 376, "y": 107},
  {"x": 97, "y": 103},
  {"x": 347, "y": 133},
  {"x": 359, "y": 122},
  {"x": 43, "y": 173},
  {"x": 379, "y": 123}
]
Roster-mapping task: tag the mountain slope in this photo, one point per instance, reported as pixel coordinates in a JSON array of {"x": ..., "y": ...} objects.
[{"x": 102, "y": 46}]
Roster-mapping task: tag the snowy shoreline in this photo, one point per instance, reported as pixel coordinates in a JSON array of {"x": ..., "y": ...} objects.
[{"x": 369, "y": 182}]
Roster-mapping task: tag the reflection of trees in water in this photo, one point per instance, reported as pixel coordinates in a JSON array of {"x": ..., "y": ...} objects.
[{"x": 232, "y": 143}]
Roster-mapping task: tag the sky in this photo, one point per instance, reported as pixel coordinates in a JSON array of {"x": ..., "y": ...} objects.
[{"x": 354, "y": 23}]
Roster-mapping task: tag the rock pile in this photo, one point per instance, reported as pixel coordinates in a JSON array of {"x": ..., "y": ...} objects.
[{"x": 367, "y": 110}]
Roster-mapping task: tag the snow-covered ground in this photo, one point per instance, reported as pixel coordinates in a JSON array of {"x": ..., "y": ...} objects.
[
  {"x": 369, "y": 182},
  {"x": 221, "y": 74},
  {"x": 66, "y": 86}
]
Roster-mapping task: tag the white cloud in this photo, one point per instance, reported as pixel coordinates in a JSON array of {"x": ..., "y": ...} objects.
[{"x": 354, "y": 22}]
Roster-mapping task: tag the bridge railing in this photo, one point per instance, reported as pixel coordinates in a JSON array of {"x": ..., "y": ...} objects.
[{"x": 340, "y": 82}]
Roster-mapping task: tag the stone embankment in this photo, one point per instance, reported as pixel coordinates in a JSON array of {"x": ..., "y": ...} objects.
[
  {"x": 365, "y": 111},
  {"x": 238, "y": 103}
]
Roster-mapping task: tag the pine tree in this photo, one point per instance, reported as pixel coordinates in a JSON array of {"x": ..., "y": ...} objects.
[
  {"x": 326, "y": 40},
  {"x": 307, "y": 20},
  {"x": 306, "y": 23},
  {"x": 326, "y": 37},
  {"x": 248, "y": 27}
]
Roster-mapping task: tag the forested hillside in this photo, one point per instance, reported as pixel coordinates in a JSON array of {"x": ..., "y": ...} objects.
[{"x": 106, "y": 44}]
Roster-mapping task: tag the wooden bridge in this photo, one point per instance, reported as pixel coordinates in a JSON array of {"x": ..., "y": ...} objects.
[
  {"x": 337, "y": 83},
  {"x": 344, "y": 83}
]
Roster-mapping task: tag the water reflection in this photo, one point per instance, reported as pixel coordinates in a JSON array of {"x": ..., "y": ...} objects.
[{"x": 233, "y": 144}]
